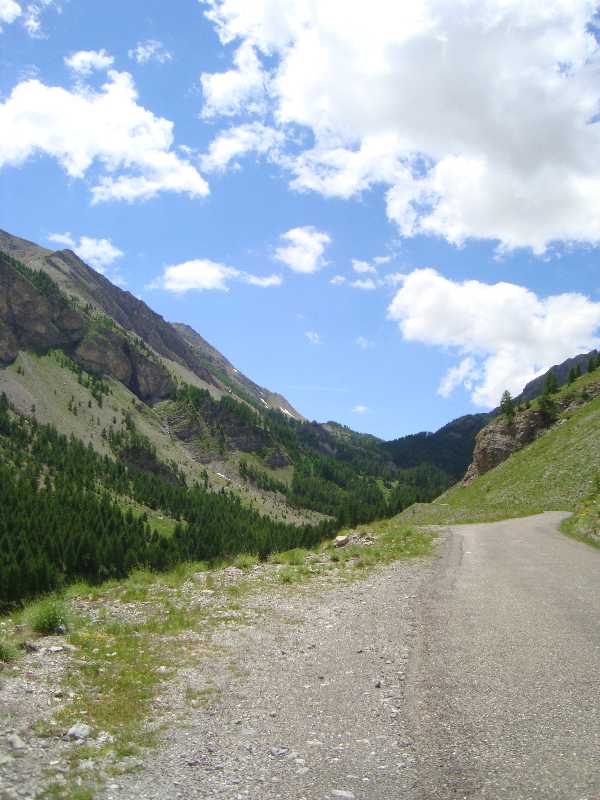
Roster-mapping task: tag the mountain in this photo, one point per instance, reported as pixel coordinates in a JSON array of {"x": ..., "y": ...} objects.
[{"x": 177, "y": 343}]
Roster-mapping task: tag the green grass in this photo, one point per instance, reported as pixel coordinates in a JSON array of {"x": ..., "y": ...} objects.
[
  {"x": 584, "y": 524},
  {"x": 554, "y": 473},
  {"x": 8, "y": 651},
  {"x": 47, "y": 615},
  {"x": 294, "y": 557},
  {"x": 246, "y": 561}
]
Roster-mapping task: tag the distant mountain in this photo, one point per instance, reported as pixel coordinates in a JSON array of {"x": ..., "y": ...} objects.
[{"x": 450, "y": 448}]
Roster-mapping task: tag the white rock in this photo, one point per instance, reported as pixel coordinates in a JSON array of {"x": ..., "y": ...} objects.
[
  {"x": 342, "y": 793},
  {"x": 79, "y": 731},
  {"x": 341, "y": 541}
]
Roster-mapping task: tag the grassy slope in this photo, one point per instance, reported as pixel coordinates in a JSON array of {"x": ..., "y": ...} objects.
[
  {"x": 43, "y": 382},
  {"x": 554, "y": 473}
]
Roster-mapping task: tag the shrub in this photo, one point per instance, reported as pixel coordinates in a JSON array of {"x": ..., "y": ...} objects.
[{"x": 48, "y": 615}]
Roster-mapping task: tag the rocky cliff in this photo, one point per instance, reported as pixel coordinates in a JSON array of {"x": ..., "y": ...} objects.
[
  {"x": 501, "y": 437},
  {"x": 40, "y": 318}
]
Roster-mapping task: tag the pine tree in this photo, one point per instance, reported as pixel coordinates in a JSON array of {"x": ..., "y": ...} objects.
[
  {"x": 572, "y": 375},
  {"x": 507, "y": 407}
]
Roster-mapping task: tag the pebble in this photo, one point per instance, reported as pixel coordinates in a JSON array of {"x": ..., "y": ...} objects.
[{"x": 342, "y": 793}]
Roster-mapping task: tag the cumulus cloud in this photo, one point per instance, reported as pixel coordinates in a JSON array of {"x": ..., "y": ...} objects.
[
  {"x": 478, "y": 118},
  {"x": 240, "y": 89},
  {"x": 107, "y": 127},
  {"x": 304, "y": 249},
  {"x": 360, "y": 409},
  {"x": 337, "y": 280},
  {"x": 150, "y": 50},
  {"x": 84, "y": 62},
  {"x": 9, "y": 12},
  {"x": 504, "y": 333},
  {"x": 98, "y": 253},
  {"x": 201, "y": 274},
  {"x": 313, "y": 337},
  {"x": 238, "y": 141}
]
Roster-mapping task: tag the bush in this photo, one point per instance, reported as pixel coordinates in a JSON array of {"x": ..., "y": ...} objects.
[
  {"x": 8, "y": 652},
  {"x": 48, "y": 615}
]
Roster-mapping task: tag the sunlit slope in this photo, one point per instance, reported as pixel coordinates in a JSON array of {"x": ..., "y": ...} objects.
[{"x": 552, "y": 474}]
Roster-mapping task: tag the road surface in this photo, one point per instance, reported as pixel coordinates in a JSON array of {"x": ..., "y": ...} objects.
[{"x": 507, "y": 673}]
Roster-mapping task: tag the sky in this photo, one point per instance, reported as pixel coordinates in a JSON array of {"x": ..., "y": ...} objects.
[{"x": 388, "y": 211}]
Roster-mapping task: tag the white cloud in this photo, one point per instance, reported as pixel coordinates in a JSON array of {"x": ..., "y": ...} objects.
[
  {"x": 359, "y": 409},
  {"x": 313, "y": 337},
  {"x": 33, "y": 14},
  {"x": 84, "y": 62},
  {"x": 304, "y": 249},
  {"x": 366, "y": 284},
  {"x": 239, "y": 89},
  {"x": 98, "y": 253},
  {"x": 238, "y": 141},
  {"x": 380, "y": 260},
  {"x": 201, "y": 274},
  {"x": 505, "y": 333},
  {"x": 364, "y": 343},
  {"x": 362, "y": 267},
  {"x": 9, "y": 12},
  {"x": 337, "y": 280},
  {"x": 150, "y": 50},
  {"x": 82, "y": 127},
  {"x": 462, "y": 374},
  {"x": 474, "y": 117}
]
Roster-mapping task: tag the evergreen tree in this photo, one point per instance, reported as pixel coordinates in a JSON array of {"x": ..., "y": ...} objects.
[
  {"x": 572, "y": 375},
  {"x": 507, "y": 407}
]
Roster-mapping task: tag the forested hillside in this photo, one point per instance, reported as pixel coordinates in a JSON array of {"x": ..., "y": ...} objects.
[{"x": 115, "y": 455}]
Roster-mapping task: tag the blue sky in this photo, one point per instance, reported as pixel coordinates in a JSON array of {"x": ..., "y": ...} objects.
[{"x": 387, "y": 212}]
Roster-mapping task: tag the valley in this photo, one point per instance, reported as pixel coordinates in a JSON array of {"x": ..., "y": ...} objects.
[{"x": 205, "y": 594}]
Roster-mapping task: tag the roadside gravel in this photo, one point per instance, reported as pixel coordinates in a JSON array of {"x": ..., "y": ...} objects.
[{"x": 306, "y": 701}]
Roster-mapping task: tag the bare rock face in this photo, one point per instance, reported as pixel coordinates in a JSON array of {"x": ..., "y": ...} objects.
[
  {"x": 108, "y": 353},
  {"x": 32, "y": 320},
  {"x": 499, "y": 439}
]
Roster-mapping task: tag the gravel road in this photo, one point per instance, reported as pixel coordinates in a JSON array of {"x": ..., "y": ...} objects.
[{"x": 507, "y": 684}]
